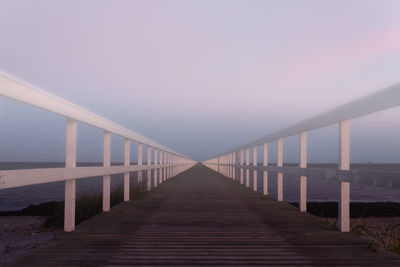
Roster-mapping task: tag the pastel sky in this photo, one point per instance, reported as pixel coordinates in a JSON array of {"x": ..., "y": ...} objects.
[{"x": 200, "y": 76}]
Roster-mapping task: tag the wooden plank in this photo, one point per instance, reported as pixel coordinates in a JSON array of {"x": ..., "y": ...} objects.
[{"x": 199, "y": 218}]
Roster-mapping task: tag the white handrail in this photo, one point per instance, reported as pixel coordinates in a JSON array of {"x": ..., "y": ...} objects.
[
  {"x": 21, "y": 91},
  {"x": 225, "y": 163},
  {"x": 174, "y": 162},
  {"x": 384, "y": 99}
]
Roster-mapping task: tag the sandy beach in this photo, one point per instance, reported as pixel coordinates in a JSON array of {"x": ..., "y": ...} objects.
[{"x": 19, "y": 234}]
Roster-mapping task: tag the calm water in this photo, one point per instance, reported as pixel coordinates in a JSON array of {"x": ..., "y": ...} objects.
[{"x": 317, "y": 190}]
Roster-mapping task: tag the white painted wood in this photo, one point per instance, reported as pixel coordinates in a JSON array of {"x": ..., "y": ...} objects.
[
  {"x": 241, "y": 166},
  {"x": 218, "y": 163},
  {"x": 156, "y": 164},
  {"x": 247, "y": 164},
  {"x": 303, "y": 164},
  {"x": 140, "y": 161},
  {"x": 106, "y": 178},
  {"x": 21, "y": 91},
  {"x": 234, "y": 165},
  {"x": 70, "y": 185},
  {"x": 161, "y": 169},
  {"x": 344, "y": 164},
  {"x": 230, "y": 165},
  {"x": 165, "y": 167},
  {"x": 381, "y": 100},
  {"x": 265, "y": 173},
  {"x": 16, "y": 178},
  {"x": 169, "y": 163},
  {"x": 255, "y": 171},
  {"x": 148, "y": 171},
  {"x": 280, "y": 164},
  {"x": 127, "y": 162},
  {"x": 171, "y": 171}
]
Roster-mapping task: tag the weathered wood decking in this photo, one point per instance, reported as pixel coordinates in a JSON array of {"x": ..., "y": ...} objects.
[{"x": 202, "y": 218}]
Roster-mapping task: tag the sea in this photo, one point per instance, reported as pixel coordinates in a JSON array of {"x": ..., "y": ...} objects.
[{"x": 318, "y": 190}]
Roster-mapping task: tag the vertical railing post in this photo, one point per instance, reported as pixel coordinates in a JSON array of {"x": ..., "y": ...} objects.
[
  {"x": 255, "y": 182},
  {"x": 265, "y": 163},
  {"x": 241, "y": 166},
  {"x": 218, "y": 162},
  {"x": 161, "y": 168},
  {"x": 165, "y": 168},
  {"x": 127, "y": 174},
  {"x": 167, "y": 176},
  {"x": 280, "y": 164},
  {"x": 140, "y": 160},
  {"x": 175, "y": 162},
  {"x": 106, "y": 178},
  {"x": 344, "y": 164},
  {"x": 234, "y": 166},
  {"x": 223, "y": 166},
  {"x": 70, "y": 185},
  {"x": 148, "y": 165},
  {"x": 303, "y": 164},
  {"x": 172, "y": 169},
  {"x": 226, "y": 169},
  {"x": 156, "y": 169},
  {"x": 229, "y": 165},
  {"x": 247, "y": 170}
]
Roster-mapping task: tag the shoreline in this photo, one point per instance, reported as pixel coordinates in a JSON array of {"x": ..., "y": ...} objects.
[{"x": 327, "y": 209}]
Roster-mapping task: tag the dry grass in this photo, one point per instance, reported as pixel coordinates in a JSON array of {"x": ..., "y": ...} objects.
[
  {"x": 90, "y": 205},
  {"x": 387, "y": 236},
  {"x": 380, "y": 232}
]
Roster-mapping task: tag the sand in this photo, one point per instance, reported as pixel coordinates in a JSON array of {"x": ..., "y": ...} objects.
[{"x": 19, "y": 234}]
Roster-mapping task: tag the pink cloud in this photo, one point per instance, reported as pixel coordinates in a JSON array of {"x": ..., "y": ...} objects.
[{"x": 348, "y": 56}]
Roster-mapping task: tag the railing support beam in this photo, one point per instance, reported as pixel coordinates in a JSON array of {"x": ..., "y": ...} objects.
[
  {"x": 303, "y": 164},
  {"x": 265, "y": 163},
  {"x": 140, "y": 161},
  {"x": 255, "y": 182},
  {"x": 106, "y": 178},
  {"x": 127, "y": 160},
  {"x": 155, "y": 170},
  {"x": 70, "y": 185},
  {"x": 247, "y": 170},
  {"x": 161, "y": 168},
  {"x": 280, "y": 164},
  {"x": 241, "y": 165},
  {"x": 148, "y": 171},
  {"x": 344, "y": 164}
]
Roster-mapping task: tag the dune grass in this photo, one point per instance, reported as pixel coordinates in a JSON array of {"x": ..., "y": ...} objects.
[
  {"x": 89, "y": 205},
  {"x": 387, "y": 237}
]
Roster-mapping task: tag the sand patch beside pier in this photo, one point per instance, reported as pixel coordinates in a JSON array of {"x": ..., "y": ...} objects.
[{"x": 19, "y": 234}]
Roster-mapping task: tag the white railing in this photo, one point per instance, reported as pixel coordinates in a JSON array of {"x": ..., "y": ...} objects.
[
  {"x": 228, "y": 163},
  {"x": 167, "y": 163}
]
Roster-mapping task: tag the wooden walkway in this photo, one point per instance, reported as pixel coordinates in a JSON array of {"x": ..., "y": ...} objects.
[{"x": 203, "y": 218}]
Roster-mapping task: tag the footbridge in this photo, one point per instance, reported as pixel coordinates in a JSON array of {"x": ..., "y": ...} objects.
[{"x": 218, "y": 212}]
